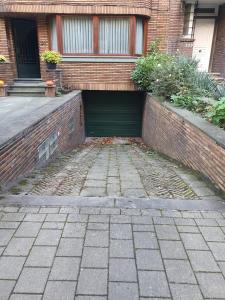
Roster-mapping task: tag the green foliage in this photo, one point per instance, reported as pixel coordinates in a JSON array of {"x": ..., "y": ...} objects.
[
  {"x": 189, "y": 102},
  {"x": 3, "y": 59},
  {"x": 53, "y": 57},
  {"x": 166, "y": 75},
  {"x": 217, "y": 113}
]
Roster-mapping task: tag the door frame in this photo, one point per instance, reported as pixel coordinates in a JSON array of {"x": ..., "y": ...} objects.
[{"x": 12, "y": 20}]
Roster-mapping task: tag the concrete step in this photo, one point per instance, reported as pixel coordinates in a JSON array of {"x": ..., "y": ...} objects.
[
  {"x": 27, "y": 89},
  {"x": 26, "y": 94}
]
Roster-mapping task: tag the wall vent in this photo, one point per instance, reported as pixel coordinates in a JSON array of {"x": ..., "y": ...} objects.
[{"x": 48, "y": 147}]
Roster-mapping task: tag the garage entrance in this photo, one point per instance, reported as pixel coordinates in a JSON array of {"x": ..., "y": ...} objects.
[{"x": 113, "y": 113}]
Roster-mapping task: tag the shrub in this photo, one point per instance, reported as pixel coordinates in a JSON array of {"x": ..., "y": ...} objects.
[
  {"x": 217, "y": 113},
  {"x": 167, "y": 75},
  {"x": 53, "y": 57},
  {"x": 189, "y": 102}
]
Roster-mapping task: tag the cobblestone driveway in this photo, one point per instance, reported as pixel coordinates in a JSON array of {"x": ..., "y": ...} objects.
[
  {"x": 114, "y": 170},
  {"x": 66, "y": 253}
]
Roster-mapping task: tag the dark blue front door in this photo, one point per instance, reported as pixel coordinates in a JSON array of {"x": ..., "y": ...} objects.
[{"x": 26, "y": 48}]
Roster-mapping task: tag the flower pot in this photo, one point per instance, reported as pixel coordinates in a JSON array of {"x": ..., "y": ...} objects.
[{"x": 51, "y": 66}]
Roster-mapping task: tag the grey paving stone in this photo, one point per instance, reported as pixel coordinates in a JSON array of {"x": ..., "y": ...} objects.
[
  {"x": 212, "y": 285},
  {"x": 121, "y": 248},
  {"x": 203, "y": 191},
  {"x": 65, "y": 268},
  {"x": 218, "y": 250},
  {"x": 49, "y": 210},
  {"x": 9, "y": 225},
  {"x": 9, "y": 209},
  {"x": 179, "y": 271},
  {"x": 123, "y": 291},
  {"x": 167, "y": 232},
  {"x": 35, "y": 217},
  {"x": 97, "y": 238},
  {"x": 5, "y": 236},
  {"x": 98, "y": 219},
  {"x": 212, "y": 234},
  {"x": 25, "y": 297},
  {"x": 95, "y": 183},
  {"x": 32, "y": 280},
  {"x": 56, "y": 218},
  {"x": 92, "y": 282},
  {"x": 26, "y": 229},
  {"x": 53, "y": 225},
  {"x": 69, "y": 210},
  {"x": 121, "y": 231},
  {"x": 163, "y": 221},
  {"x": 171, "y": 213},
  {"x": 151, "y": 212},
  {"x": 122, "y": 269},
  {"x": 222, "y": 267},
  {"x": 141, "y": 228},
  {"x": 70, "y": 247},
  {"x": 93, "y": 192},
  {"x": 13, "y": 217},
  {"x": 203, "y": 261},
  {"x": 153, "y": 284},
  {"x": 1, "y": 250},
  {"x": 193, "y": 241},
  {"x": 94, "y": 257},
  {"x": 184, "y": 222},
  {"x": 192, "y": 214},
  {"x": 120, "y": 219},
  {"x": 206, "y": 222},
  {"x": 185, "y": 292},
  {"x": 74, "y": 230},
  {"x": 19, "y": 246},
  {"x": 145, "y": 220},
  {"x": 90, "y": 298},
  {"x": 110, "y": 211},
  {"x": 145, "y": 240},
  {"x": 77, "y": 218},
  {"x": 48, "y": 237},
  {"x": 149, "y": 260},
  {"x": 10, "y": 267},
  {"x": 221, "y": 222},
  {"x": 41, "y": 256},
  {"x": 188, "y": 229},
  {"x": 98, "y": 226},
  {"x": 131, "y": 212},
  {"x": 172, "y": 249},
  {"x": 6, "y": 288},
  {"x": 59, "y": 290},
  {"x": 29, "y": 209}
]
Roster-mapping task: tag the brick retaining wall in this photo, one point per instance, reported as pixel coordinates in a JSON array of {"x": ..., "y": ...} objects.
[
  {"x": 190, "y": 140},
  {"x": 19, "y": 155}
]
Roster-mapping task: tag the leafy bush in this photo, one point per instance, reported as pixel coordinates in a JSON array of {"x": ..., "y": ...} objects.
[
  {"x": 189, "y": 102},
  {"x": 217, "y": 113},
  {"x": 167, "y": 75},
  {"x": 53, "y": 57}
]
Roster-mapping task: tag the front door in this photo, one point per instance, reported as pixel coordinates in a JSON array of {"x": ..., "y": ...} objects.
[
  {"x": 204, "y": 31},
  {"x": 26, "y": 48}
]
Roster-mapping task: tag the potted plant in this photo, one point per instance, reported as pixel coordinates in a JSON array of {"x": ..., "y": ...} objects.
[
  {"x": 2, "y": 59},
  {"x": 52, "y": 58}
]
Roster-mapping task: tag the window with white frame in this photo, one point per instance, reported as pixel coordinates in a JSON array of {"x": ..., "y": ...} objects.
[
  {"x": 189, "y": 12},
  {"x": 98, "y": 35}
]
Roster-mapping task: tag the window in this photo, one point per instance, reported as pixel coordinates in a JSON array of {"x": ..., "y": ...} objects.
[
  {"x": 77, "y": 34},
  {"x": 189, "y": 20},
  {"x": 98, "y": 35},
  {"x": 114, "y": 36}
]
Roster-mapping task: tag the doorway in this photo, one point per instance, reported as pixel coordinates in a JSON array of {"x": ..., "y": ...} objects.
[
  {"x": 26, "y": 48},
  {"x": 204, "y": 31}
]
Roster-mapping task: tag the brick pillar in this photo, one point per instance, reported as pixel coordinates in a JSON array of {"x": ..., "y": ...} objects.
[
  {"x": 56, "y": 76},
  {"x": 6, "y": 73}
]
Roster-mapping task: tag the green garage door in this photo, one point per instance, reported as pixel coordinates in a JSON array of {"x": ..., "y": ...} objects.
[{"x": 113, "y": 113}]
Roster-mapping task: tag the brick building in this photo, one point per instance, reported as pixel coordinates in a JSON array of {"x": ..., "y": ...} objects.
[{"x": 100, "y": 41}]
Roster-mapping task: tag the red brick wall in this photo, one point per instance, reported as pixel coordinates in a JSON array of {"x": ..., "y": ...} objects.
[
  {"x": 165, "y": 23},
  {"x": 19, "y": 156},
  {"x": 218, "y": 61},
  {"x": 174, "y": 136}
]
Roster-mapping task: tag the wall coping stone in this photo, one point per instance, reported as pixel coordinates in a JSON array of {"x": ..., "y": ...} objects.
[
  {"x": 215, "y": 133},
  {"x": 23, "y": 127}
]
